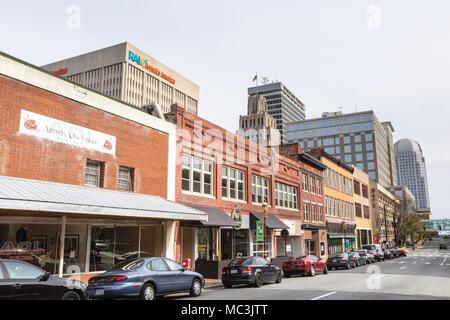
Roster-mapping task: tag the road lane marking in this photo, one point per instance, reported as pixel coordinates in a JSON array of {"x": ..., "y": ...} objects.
[
  {"x": 427, "y": 262},
  {"x": 323, "y": 296},
  {"x": 403, "y": 267},
  {"x": 445, "y": 259},
  {"x": 414, "y": 262}
]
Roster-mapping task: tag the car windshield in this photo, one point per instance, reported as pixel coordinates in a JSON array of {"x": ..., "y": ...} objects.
[
  {"x": 240, "y": 261},
  {"x": 369, "y": 247},
  {"x": 299, "y": 258},
  {"x": 127, "y": 265},
  {"x": 344, "y": 255},
  {"x": 362, "y": 252}
]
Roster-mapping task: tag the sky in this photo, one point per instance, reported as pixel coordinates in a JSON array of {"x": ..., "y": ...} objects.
[{"x": 388, "y": 56}]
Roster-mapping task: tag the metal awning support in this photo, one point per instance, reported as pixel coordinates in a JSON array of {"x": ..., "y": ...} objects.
[{"x": 61, "y": 246}]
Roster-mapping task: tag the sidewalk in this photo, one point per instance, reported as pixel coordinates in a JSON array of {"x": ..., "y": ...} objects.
[{"x": 213, "y": 283}]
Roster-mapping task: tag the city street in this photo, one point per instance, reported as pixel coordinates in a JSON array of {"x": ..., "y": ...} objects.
[{"x": 423, "y": 274}]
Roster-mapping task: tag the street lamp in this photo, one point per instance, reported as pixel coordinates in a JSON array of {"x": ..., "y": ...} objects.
[{"x": 265, "y": 207}]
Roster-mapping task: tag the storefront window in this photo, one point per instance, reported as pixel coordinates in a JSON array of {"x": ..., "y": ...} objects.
[
  {"x": 241, "y": 243},
  {"x": 33, "y": 243},
  {"x": 258, "y": 247},
  {"x": 207, "y": 244},
  {"x": 102, "y": 248},
  {"x": 113, "y": 244},
  {"x": 226, "y": 244}
]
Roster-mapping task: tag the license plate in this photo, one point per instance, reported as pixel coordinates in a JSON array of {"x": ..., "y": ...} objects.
[
  {"x": 99, "y": 292},
  {"x": 292, "y": 267},
  {"x": 233, "y": 271},
  {"x": 334, "y": 260}
]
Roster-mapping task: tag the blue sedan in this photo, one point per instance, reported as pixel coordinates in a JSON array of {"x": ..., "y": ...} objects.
[{"x": 145, "y": 278}]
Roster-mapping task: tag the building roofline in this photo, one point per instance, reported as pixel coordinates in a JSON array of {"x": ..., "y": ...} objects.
[
  {"x": 333, "y": 117},
  {"x": 320, "y": 152}
]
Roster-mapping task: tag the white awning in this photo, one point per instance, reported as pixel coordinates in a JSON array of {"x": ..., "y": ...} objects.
[{"x": 43, "y": 196}]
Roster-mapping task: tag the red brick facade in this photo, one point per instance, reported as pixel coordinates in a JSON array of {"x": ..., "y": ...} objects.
[
  {"x": 25, "y": 156},
  {"x": 287, "y": 172}
]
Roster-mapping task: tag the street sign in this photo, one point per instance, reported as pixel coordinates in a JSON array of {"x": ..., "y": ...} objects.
[{"x": 260, "y": 231}]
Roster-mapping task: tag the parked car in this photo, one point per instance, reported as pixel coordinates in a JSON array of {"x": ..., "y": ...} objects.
[
  {"x": 402, "y": 251},
  {"x": 341, "y": 261},
  {"x": 369, "y": 257},
  {"x": 376, "y": 250},
  {"x": 442, "y": 246},
  {"x": 23, "y": 281},
  {"x": 250, "y": 270},
  {"x": 310, "y": 265},
  {"x": 359, "y": 260},
  {"x": 387, "y": 254},
  {"x": 145, "y": 278},
  {"x": 393, "y": 251}
]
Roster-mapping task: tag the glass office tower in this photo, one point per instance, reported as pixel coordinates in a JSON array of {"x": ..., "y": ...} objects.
[
  {"x": 411, "y": 170},
  {"x": 355, "y": 138}
]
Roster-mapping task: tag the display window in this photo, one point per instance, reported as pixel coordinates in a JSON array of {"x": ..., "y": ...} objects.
[{"x": 33, "y": 243}]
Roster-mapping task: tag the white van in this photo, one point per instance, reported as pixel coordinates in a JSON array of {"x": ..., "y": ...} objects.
[{"x": 376, "y": 250}]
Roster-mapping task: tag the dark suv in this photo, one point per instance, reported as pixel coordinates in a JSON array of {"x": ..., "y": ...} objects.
[{"x": 443, "y": 246}]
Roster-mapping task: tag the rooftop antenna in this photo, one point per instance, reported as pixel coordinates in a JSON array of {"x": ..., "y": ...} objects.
[{"x": 265, "y": 80}]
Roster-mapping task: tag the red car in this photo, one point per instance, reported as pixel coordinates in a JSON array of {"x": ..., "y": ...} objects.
[
  {"x": 310, "y": 265},
  {"x": 402, "y": 252}
]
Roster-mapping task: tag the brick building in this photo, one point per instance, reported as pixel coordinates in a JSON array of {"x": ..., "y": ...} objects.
[
  {"x": 229, "y": 177},
  {"x": 84, "y": 178}
]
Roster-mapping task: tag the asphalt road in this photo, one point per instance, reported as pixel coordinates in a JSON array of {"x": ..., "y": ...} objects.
[{"x": 423, "y": 274}]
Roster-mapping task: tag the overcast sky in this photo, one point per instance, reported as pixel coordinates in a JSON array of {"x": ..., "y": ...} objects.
[{"x": 389, "y": 56}]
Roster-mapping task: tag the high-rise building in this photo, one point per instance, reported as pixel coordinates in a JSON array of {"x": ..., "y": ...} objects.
[
  {"x": 411, "y": 170},
  {"x": 258, "y": 125},
  {"x": 282, "y": 104},
  {"x": 126, "y": 73},
  {"x": 354, "y": 138}
]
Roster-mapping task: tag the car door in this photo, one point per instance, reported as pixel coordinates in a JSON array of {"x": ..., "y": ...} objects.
[
  {"x": 160, "y": 274},
  {"x": 179, "y": 280},
  {"x": 318, "y": 265},
  {"x": 25, "y": 283},
  {"x": 5, "y": 285},
  {"x": 266, "y": 268}
]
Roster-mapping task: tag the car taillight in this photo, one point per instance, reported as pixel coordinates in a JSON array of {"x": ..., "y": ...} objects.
[
  {"x": 223, "y": 271},
  {"x": 91, "y": 280},
  {"x": 118, "y": 278},
  {"x": 248, "y": 270},
  {"x": 343, "y": 259},
  {"x": 328, "y": 260}
]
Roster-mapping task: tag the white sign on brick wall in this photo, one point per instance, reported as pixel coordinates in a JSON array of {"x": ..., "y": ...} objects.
[{"x": 59, "y": 131}]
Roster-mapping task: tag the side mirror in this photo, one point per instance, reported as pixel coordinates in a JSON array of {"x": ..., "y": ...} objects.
[
  {"x": 184, "y": 269},
  {"x": 271, "y": 260},
  {"x": 45, "y": 277}
]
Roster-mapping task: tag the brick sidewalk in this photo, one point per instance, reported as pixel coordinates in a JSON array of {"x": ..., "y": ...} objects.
[{"x": 213, "y": 283}]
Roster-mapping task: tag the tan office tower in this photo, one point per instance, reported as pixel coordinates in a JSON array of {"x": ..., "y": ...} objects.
[
  {"x": 126, "y": 73},
  {"x": 258, "y": 125}
]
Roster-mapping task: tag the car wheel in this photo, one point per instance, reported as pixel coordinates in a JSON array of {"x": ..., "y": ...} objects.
[
  {"x": 279, "y": 277},
  {"x": 287, "y": 275},
  {"x": 227, "y": 285},
  {"x": 312, "y": 272},
  {"x": 148, "y": 292},
  {"x": 71, "y": 295},
  {"x": 196, "y": 288},
  {"x": 258, "y": 280},
  {"x": 325, "y": 270}
]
